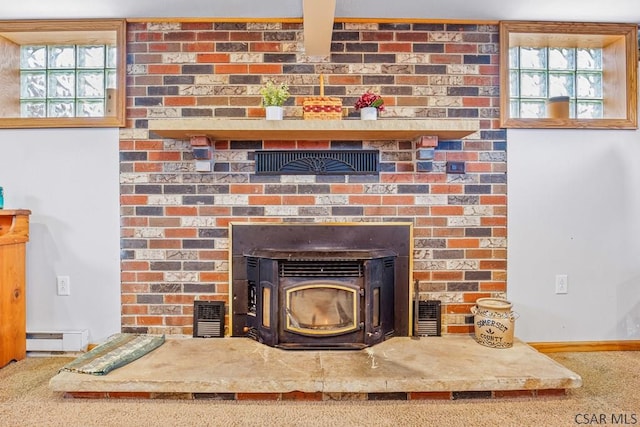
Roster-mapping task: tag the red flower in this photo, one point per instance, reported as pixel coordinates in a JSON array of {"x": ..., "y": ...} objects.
[{"x": 370, "y": 99}]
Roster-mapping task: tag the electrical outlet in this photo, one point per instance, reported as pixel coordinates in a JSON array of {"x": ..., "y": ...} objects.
[
  {"x": 562, "y": 284},
  {"x": 63, "y": 284}
]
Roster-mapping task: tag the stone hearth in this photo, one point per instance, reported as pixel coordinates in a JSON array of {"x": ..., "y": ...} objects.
[{"x": 450, "y": 367}]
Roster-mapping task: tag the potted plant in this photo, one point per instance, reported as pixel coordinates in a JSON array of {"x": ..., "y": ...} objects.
[
  {"x": 369, "y": 104},
  {"x": 273, "y": 98}
]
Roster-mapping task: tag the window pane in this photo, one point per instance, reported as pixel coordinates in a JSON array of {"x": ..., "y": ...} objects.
[
  {"x": 531, "y": 57},
  {"x": 33, "y": 57},
  {"x": 589, "y": 110},
  {"x": 111, "y": 79},
  {"x": 533, "y": 84},
  {"x": 33, "y": 84},
  {"x": 562, "y": 59},
  {"x": 90, "y": 108},
  {"x": 91, "y": 56},
  {"x": 532, "y": 109},
  {"x": 90, "y": 84},
  {"x": 62, "y": 57},
  {"x": 514, "y": 61},
  {"x": 514, "y": 84},
  {"x": 561, "y": 84},
  {"x": 33, "y": 109},
  {"x": 61, "y": 85},
  {"x": 589, "y": 59},
  {"x": 112, "y": 57},
  {"x": 589, "y": 85},
  {"x": 61, "y": 109}
]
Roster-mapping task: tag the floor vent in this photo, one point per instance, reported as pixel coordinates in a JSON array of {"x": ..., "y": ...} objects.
[
  {"x": 428, "y": 318},
  {"x": 208, "y": 319}
]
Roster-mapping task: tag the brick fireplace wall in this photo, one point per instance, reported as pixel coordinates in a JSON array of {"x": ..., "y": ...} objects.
[{"x": 174, "y": 220}]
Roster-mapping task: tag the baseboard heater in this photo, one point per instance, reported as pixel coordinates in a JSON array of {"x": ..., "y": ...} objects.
[{"x": 58, "y": 340}]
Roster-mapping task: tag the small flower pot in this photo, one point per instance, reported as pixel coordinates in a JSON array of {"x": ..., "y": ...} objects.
[
  {"x": 274, "y": 113},
  {"x": 369, "y": 113}
]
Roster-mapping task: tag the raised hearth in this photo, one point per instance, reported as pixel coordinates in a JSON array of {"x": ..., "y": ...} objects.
[{"x": 450, "y": 367}]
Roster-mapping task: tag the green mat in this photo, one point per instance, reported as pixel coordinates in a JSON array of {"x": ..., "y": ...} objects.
[{"x": 117, "y": 351}]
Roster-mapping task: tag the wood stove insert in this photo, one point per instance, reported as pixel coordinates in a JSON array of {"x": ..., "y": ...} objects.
[
  {"x": 315, "y": 286},
  {"x": 323, "y": 299}
]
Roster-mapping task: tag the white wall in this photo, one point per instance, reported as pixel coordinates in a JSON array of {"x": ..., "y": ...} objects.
[
  {"x": 574, "y": 208},
  {"x": 68, "y": 178}
]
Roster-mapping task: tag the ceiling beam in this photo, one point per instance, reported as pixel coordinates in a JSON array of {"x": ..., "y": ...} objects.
[{"x": 318, "y": 17}]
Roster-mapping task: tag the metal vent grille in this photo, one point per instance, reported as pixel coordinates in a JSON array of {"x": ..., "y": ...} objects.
[
  {"x": 208, "y": 319},
  {"x": 320, "y": 269},
  {"x": 428, "y": 322},
  {"x": 317, "y": 162}
]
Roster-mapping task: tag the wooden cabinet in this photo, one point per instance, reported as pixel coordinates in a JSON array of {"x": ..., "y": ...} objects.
[{"x": 14, "y": 234}]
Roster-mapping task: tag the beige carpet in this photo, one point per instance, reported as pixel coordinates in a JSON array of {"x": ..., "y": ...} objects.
[{"x": 611, "y": 384}]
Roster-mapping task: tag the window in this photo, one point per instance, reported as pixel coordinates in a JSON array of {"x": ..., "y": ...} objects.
[
  {"x": 66, "y": 80},
  {"x": 594, "y": 65},
  {"x": 539, "y": 73},
  {"x": 62, "y": 73}
]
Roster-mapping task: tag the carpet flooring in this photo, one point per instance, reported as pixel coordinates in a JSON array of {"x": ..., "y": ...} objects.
[{"x": 609, "y": 395}]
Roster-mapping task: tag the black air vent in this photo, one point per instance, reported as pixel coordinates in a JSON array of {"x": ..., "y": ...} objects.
[
  {"x": 208, "y": 319},
  {"x": 428, "y": 322},
  {"x": 326, "y": 162},
  {"x": 320, "y": 269}
]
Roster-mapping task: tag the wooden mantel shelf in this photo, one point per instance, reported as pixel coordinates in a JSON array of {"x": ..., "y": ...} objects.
[{"x": 345, "y": 130}]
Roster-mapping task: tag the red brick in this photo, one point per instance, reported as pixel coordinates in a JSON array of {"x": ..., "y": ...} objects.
[
  {"x": 178, "y": 320},
  {"x": 265, "y": 200},
  {"x": 179, "y": 101},
  {"x": 85, "y": 395},
  {"x": 397, "y": 200},
  {"x": 379, "y": 211},
  {"x": 214, "y": 58},
  {"x": 198, "y": 47},
  {"x": 302, "y": 396},
  {"x": 163, "y": 69},
  {"x": 181, "y": 232},
  {"x": 213, "y": 277},
  {"x": 265, "y": 47},
  {"x": 258, "y": 396},
  {"x": 430, "y": 395},
  {"x": 448, "y": 275},
  {"x": 231, "y": 69},
  {"x": 460, "y": 48},
  {"x": 246, "y": 189},
  {"x": 133, "y": 200},
  {"x": 135, "y": 265},
  {"x": 499, "y": 394},
  {"x": 265, "y": 69},
  {"x": 365, "y": 200},
  {"x": 447, "y": 210},
  {"x": 493, "y": 265},
  {"x": 346, "y": 188},
  {"x": 395, "y": 47},
  {"x": 149, "y": 145},
  {"x": 149, "y": 276},
  {"x": 129, "y": 395},
  {"x": 150, "y": 320},
  {"x": 298, "y": 200},
  {"x": 165, "y": 244}
]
